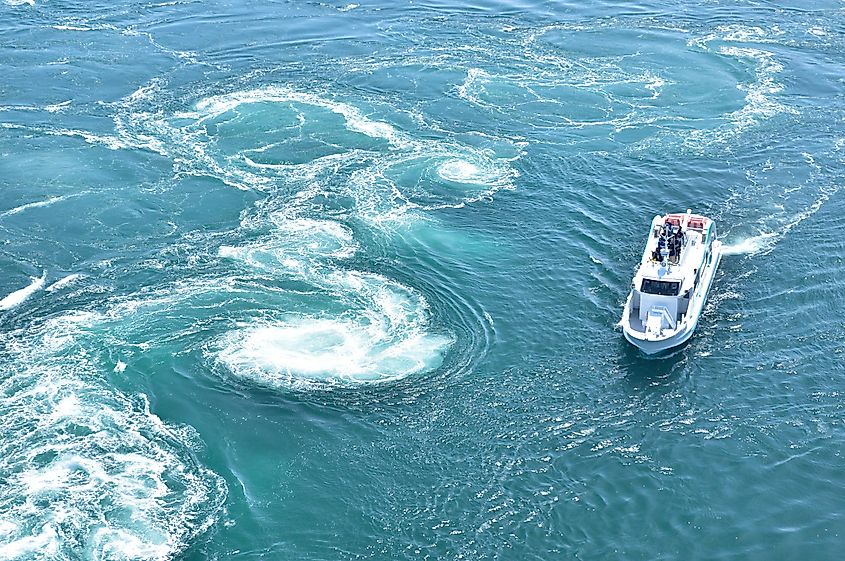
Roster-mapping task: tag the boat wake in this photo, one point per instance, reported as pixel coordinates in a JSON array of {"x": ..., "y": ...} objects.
[
  {"x": 752, "y": 245},
  {"x": 765, "y": 242}
]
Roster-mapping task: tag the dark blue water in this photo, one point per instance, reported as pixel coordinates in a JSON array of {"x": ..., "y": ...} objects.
[{"x": 299, "y": 280}]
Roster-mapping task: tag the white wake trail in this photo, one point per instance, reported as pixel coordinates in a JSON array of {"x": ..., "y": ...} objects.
[{"x": 751, "y": 246}]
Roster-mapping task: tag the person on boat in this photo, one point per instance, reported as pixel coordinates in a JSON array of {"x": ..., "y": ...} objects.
[
  {"x": 670, "y": 240},
  {"x": 661, "y": 245}
]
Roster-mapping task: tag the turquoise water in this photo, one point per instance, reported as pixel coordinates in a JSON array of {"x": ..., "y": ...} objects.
[{"x": 300, "y": 280}]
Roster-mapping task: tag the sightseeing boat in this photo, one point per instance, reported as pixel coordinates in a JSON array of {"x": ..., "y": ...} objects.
[{"x": 672, "y": 282}]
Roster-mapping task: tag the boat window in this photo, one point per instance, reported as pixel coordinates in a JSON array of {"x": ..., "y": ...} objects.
[{"x": 662, "y": 288}]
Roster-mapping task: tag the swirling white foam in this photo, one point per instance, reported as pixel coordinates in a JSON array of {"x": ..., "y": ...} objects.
[
  {"x": 427, "y": 180},
  {"x": 88, "y": 472},
  {"x": 541, "y": 84},
  {"x": 461, "y": 171},
  {"x": 761, "y": 101},
  {"x": 383, "y": 336},
  {"x": 296, "y": 245},
  {"x": 379, "y": 331},
  {"x": 196, "y": 148},
  {"x": 541, "y": 73},
  {"x": 472, "y": 87},
  {"x": 759, "y": 97},
  {"x": 363, "y": 327}
]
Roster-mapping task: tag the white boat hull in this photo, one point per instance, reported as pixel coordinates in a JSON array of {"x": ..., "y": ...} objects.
[
  {"x": 657, "y": 345},
  {"x": 652, "y": 344}
]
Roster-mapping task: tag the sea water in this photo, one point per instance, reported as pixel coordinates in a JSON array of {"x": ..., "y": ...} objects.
[{"x": 332, "y": 280}]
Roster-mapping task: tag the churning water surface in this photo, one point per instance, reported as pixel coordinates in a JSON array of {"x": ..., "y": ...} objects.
[{"x": 316, "y": 280}]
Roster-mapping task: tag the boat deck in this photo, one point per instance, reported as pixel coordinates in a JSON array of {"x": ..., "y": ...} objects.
[
  {"x": 635, "y": 321},
  {"x": 691, "y": 256},
  {"x": 637, "y": 324}
]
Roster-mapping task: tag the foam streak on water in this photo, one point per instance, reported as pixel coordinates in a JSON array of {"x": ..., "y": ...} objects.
[
  {"x": 64, "y": 281},
  {"x": 17, "y": 297},
  {"x": 355, "y": 120},
  {"x": 35, "y": 204}
]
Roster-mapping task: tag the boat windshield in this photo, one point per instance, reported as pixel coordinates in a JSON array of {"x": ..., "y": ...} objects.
[{"x": 662, "y": 288}]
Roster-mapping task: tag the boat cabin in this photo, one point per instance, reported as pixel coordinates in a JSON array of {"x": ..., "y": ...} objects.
[{"x": 675, "y": 255}]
